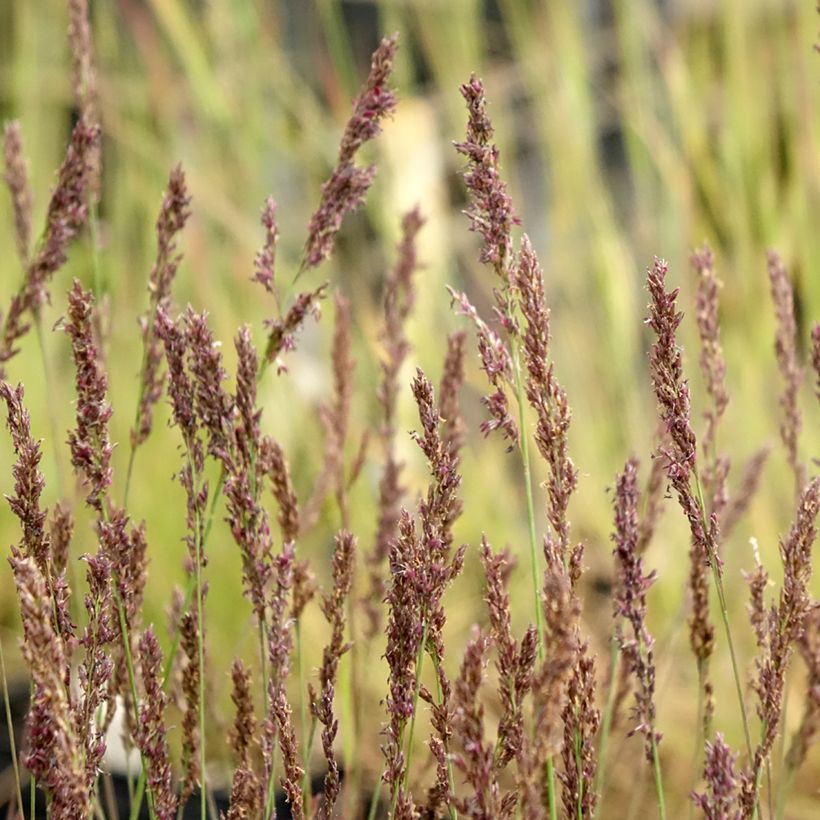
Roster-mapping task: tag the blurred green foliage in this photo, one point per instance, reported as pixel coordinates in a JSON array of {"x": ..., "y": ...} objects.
[{"x": 626, "y": 131}]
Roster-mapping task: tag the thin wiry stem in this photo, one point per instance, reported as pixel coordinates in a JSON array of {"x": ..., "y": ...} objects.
[
  {"x": 606, "y": 721},
  {"x": 724, "y": 614},
  {"x": 656, "y": 770},
  {"x": 539, "y": 618},
  {"x": 10, "y": 727}
]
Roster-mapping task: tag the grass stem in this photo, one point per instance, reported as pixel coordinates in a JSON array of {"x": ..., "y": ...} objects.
[
  {"x": 609, "y": 710},
  {"x": 10, "y": 727}
]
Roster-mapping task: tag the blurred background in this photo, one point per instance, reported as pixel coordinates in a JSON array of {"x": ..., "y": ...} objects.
[{"x": 627, "y": 130}]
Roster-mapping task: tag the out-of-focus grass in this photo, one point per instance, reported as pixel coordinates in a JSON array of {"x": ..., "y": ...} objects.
[{"x": 641, "y": 135}]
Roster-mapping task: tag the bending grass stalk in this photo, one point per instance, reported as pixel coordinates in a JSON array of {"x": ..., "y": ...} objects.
[
  {"x": 539, "y": 622},
  {"x": 609, "y": 709},
  {"x": 10, "y": 727}
]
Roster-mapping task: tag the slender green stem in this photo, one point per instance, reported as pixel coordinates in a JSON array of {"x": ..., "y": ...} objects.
[
  {"x": 724, "y": 614},
  {"x": 609, "y": 709},
  {"x": 656, "y": 770},
  {"x": 10, "y": 727},
  {"x": 374, "y": 800},
  {"x": 270, "y": 795},
  {"x": 525, "y": 460},
  {"x": 551, "y": 795},
  {"x": 201, "y": 653},
  {"x": 539, "y": 622},
  {"x": 784, "y": 787}
]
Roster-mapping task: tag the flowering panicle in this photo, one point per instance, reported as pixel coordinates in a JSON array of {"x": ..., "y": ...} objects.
[
  {"x": 720, "y": 800},
  {"x": 421, "y": 567},
  {"x": 491, "y": 212},
  {"x": 666, "y": 363},
  {"x": 399, "y": 298},
  {"x": 790, "y": 369},
  {"x": 679, "y": 454},
  {"x": 784, "y": 628},
  {"x": 476, "y": 761},
  {"x": 630, "y": 604},
  {"x": 67, "y": 214},
  {"x": 245, "y": 790},
  {"x": 280, "y": 640},
  {"x": 89, "y": 442},
  {"x": 347, "y": 186},
  {"x": 97, "y": 681},
  {"x": 441, "y": 507},
  {"x": 712, "y": 363},
  {"x": 55, "y": 753},
  {"x": 496, "y": 362},
  {"x": 515, "y": 661},
  {"x": 321, "y": 704},
  {"x": 272, "y": 463},
  {"x": 214, "y": 406},
  {"x": 336, "y": 420},
  {"x": 244, "y": 728},
  {"x": 28, "y": 480},
  {"x": 579, "y": 752},
  {"x": 405, "y": 630},
  {"x": 83, "y": 78},
  {"x": 119, "y": 572},
  {"x": 16, "y": 178},
  {"x": 807, "y": 732},
  {"x": 247, "y": 518},
  {"x": 265, "y": 262},
  {"x": 150, "y": 736},
  {"x": 653, "y": 495},
  {"x": 452, "y": 379},
  {"x": 562, "y": 610},
  {"x": 180, "y": 386},
  {"x": 815, "y": 357},
  {"x": 282, "y": 333},
  {"x": 61, "y": 531},
  {"x": 173, "y": 215},
  {"x": 738, "y": 503},
  {"x": 546, "y": 396},
  {"x": 757, "y": 581},
  {"x": 294, "y": 773},
  {"x": 278, "y": 722},
  {"x": 191, "y": 683}
]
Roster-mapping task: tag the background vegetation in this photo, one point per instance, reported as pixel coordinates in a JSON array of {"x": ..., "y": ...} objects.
[{"x": 627, "y": 129}]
